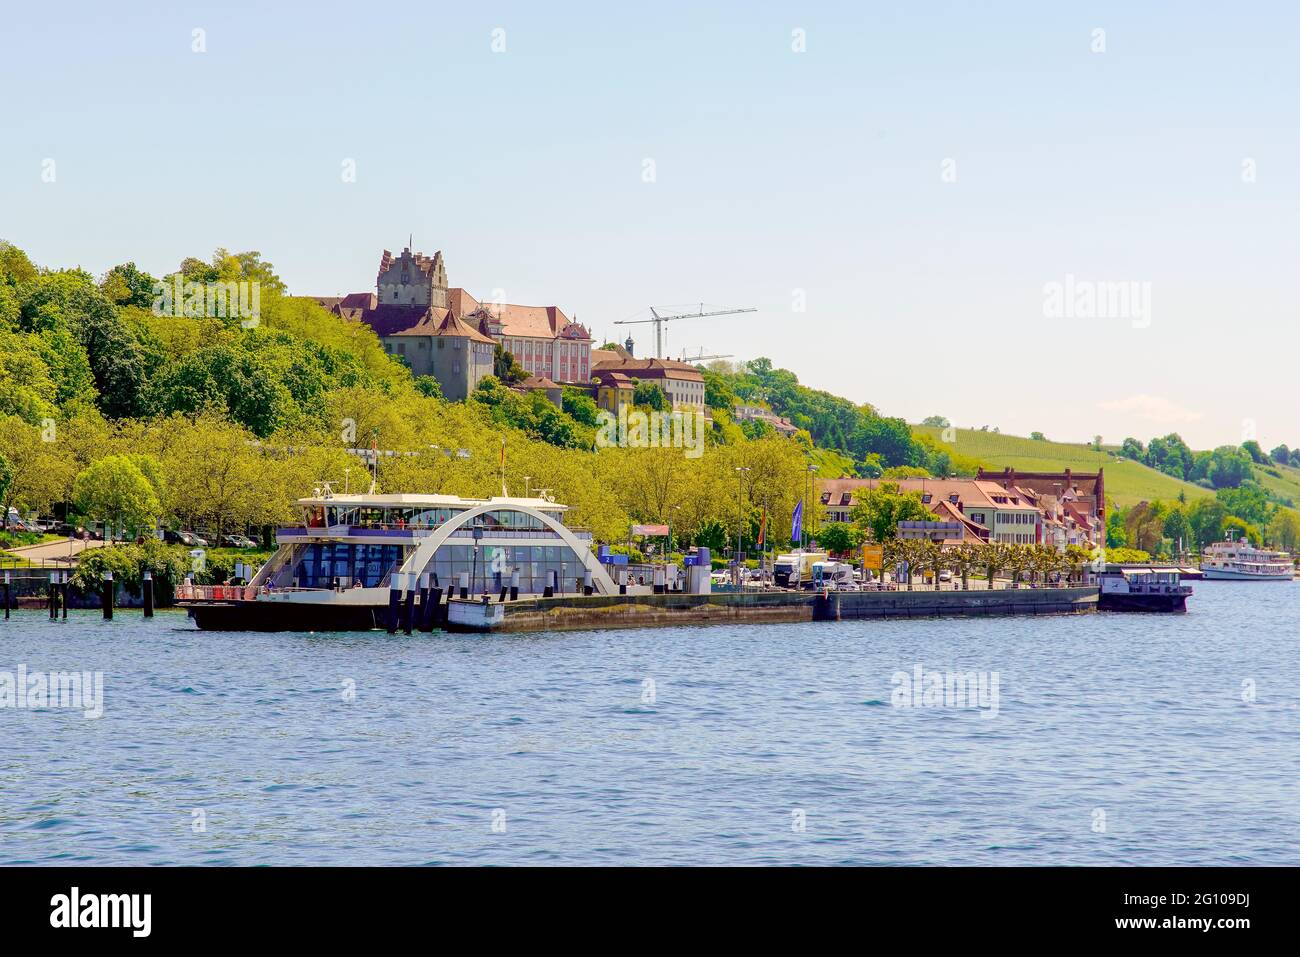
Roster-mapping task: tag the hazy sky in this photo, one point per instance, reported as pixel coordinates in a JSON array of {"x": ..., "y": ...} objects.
[{"x": 915, "y": 179}]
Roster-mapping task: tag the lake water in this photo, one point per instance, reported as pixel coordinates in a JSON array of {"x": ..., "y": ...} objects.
[{"x": 1117, "y": 739}]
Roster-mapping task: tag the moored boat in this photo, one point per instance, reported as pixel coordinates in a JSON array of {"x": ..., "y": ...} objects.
[
  {"x": 1141, "y": 589},
  {"x": 355, "y": 562},
  {"x": 1240, "y": 561}
]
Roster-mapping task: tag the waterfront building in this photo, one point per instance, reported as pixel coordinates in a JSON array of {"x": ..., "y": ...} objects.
[
  {"x": 1076, "y": 500},
  {"x": 994, "y": 514}
]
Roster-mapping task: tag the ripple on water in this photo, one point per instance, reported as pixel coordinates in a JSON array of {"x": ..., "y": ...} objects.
[{"x": 540, "y": 749}]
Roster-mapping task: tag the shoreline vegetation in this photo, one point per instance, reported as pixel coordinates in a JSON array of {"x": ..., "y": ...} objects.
[{"x": 116, "y": 411}]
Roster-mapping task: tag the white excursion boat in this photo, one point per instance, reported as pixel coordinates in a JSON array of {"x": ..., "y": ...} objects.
[{"x": 1241, "y": 561}]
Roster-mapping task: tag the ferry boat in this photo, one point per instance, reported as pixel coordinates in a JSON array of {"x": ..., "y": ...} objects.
[
  {"x": 352, "y": 560},
  {"x": 1241, "y": 561},
  {"x": 1122, "y": 588}
]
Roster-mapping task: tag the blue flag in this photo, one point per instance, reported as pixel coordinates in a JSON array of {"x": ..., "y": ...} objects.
[{"x": 796, "y": 528}]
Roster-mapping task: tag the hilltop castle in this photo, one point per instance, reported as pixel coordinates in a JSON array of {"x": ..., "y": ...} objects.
[{"x": 445, "y": 332}]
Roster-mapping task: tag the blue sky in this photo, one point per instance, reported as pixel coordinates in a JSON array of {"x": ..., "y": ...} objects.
[{"x": 779, "y": 176}]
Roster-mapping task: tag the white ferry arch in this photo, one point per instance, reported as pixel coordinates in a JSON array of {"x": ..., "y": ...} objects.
[{"x": 349, "y": 554}]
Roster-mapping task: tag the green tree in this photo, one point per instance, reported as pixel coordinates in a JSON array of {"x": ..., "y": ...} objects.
[
  {"x": 1229, "y": 466},
  {"x": 115, "y": 491},
  {"x": 718, "y": 393},
  {"x": 580, "y": 406},
  {"x": 1242, "y": 530},
  {"x": 1207, "y": 516},
  {"x": 1178, "y": 527},
  {"x": 1131, "y": 448},
  {"x": 1256, "y": 453},
  {"x": 1284, "y": 529},
  {"x": 879, "y": 510},
  {"x": 890, "y": 438},
  {"x": 1144, "y": 525},
  {"x": 839, "y": 538},
  {"x": 505, "y": 368},
  {"x": 652, "y": 395},
  {"x": 125, "y": 285},
  {"x": 1170, "y": 455},
  {"x": 1247, "y": 501},
  {"x": 6, "y": 482},
  {"x": 428, "y": 386}
]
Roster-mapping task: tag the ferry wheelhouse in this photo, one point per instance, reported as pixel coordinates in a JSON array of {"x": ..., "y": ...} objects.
[
  {"x": 1241, "y": 561},
  {"x": 338, "y": 567}
]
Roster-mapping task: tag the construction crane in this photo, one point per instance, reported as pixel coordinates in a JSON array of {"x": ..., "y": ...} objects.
[
  {"x": 659, "y": 322},
  {"x": 696, "y": 360}
]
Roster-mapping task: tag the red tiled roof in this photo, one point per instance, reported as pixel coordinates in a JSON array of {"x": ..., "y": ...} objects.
[
  {"x": 538, "y": 382},
  {"x": 461, "y": 302},
  {"x": 534, "y": 322},
  {"x": 388, "y": 319},
  {"x": 649, "y": 369},
  {"x": 970, "y": 493},
  {"x": 608, "y": 355},
  {"x": 612, "y": 378},
  {"x": 442, "y": 322}
]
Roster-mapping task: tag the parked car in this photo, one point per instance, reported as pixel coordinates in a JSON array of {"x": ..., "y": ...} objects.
[
  {"x": 238, "y": 541},
  {"x": 945, "y": 575},
  {"x": 16, "y": 523},
  {"x": 183, "y": 537}
]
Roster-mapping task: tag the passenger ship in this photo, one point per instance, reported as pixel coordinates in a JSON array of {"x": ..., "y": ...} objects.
[
  {"x": 1241, "y": 561},
  {"x": 339, "y": 567}
]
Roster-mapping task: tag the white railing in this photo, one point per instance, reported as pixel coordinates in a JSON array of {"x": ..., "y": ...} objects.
[{"x": 191, "y": 592}]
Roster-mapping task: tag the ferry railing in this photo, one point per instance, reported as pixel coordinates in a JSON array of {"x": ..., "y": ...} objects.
[{"x": 191, "y": 592}]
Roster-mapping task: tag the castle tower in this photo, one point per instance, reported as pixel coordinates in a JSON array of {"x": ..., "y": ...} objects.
[{"x": 412, "y": 279}]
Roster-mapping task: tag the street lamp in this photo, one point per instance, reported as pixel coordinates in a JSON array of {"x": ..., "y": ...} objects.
[
  {"x": 809, "y": 486},
  {"x": 473, "y": 574},
  {"x": 740, "y": 491}
]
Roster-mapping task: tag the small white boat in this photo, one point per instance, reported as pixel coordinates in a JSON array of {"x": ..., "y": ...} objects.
[{"x": 1240, "y": 561}]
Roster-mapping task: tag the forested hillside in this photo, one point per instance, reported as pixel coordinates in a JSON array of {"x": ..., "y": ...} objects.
[{"x": 111, "y": 411}]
